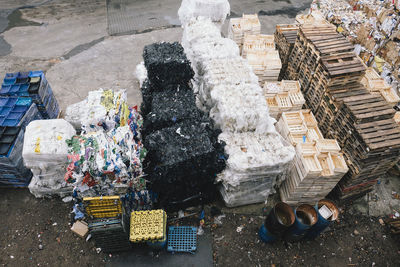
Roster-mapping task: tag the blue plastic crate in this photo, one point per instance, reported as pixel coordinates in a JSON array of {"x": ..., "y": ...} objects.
[{"x": 182, "y": 239}]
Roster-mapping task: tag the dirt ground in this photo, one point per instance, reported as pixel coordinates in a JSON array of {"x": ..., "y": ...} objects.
[{"x": 35, "y": 232}]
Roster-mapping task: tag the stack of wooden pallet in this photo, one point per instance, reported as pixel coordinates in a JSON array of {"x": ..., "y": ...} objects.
[
  {"x": 285, "y": 37},
  {"x": 283, "y": 96},
  {"x": 266, "y": 64},
  {"x": 376, "y": 84},
  {"x": 330, "y": 74},
  {"x": 318, "y": 165},
  {"x": 257, "y": 43},
  {"x": 240, "y": 27}
]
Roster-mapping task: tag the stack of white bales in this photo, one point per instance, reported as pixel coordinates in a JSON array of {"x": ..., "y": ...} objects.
[
  {"x": 45, "y": 152},
  {"x": 258, "y": 157}
]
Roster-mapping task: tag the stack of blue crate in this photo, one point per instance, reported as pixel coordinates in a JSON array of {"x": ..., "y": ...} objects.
[
  {"x": 24, "y": 97},
  {"x": 32, "y": 84}
]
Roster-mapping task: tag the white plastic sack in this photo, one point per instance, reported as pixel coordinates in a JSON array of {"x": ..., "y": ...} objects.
[
  {"x": 141, "y": 73},
  {"x": 216, "y": 10}
]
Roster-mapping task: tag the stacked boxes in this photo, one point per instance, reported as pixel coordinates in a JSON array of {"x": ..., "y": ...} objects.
[
  {"x": 376, "y": 84},
  {"x": 183, "y": 151},
  {"x": 329, "y": 74},
  {"x": 266, "y": 64},
  {"x": 34, "y": 85},
  {"x": 257, "y": 43},
  {"x": 318, "y": 164},
  {"x": 240, "y": 27},
  {"x": 283, "y": 96},
  {"x": 106, "y": 225}
]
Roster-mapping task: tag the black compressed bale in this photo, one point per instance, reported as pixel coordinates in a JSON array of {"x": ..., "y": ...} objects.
[
  {"x": 166, "y": 63},
  {"x": 168, "y": 108},
  {"x": 147, "y": 96},
  {"x": 182, "y": 162}
]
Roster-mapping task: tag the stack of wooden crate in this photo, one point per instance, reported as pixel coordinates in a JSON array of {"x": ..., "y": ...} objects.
[
  {"x": 330, "y": 74},
  {"x": 266, "y": 64},
  {"x": 258, "y": 43},
  {"x": 283, "y": 96},
  {"x": 285, "y": 37},
  {"x": 318, "y": 165},
  {"x": 376, "y": 84},
  {"x": 240, "y": 27}
]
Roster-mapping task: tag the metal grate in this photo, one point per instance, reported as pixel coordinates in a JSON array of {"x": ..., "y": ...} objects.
[
  {"x": 127, "y": 16},
  {"x": 182, "y": 239}
]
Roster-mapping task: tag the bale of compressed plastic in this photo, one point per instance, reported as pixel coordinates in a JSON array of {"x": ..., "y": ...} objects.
[
  {"x": 216, "y": 10},
  {"x": 166, "y": 63},
  {"x": 147, "y": 96},
  {"x": 168, "y": 108},
  {"x": 182, "y": 162}
]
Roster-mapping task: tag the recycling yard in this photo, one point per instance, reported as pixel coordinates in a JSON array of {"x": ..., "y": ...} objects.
[{"x": 199, "y": 133}]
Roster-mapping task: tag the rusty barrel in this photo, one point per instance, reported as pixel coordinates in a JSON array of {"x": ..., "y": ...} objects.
[
  {"x": 323, "y": 222},
  {"x": 279, "y": 219},
  {"x": 305, "y": 217}
]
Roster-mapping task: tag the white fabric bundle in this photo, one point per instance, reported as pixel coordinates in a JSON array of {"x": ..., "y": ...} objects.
[{"x": 216, "y": 10}]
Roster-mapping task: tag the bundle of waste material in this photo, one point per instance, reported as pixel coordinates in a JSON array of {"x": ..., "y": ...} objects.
[
  {"x": 216, "y": 10},
  {"x": 101, "y": 110},
  {"x": 182, "y": 161},
  {"x": 107, "y": 159},
  {"x": 168, "y": 108},
  {"x": 45, "y": 152},
  {"x": 184, "y": 153},
  {"x": 166, "y": 64},
  {"x": 256, "y": 164}
]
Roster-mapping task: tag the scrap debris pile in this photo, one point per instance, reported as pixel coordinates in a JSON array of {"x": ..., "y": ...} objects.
[
  {"x": 228, "y": 89},
  {"x": 184, "y": 154},
  {"x": 107, "y": 156},
  {"x": 24, "y": 97},
  {"x": 329, "y": 73},
  {"x": 373, "y": 26}
]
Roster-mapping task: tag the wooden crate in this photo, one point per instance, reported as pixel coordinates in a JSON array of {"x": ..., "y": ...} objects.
[
  {"x": 390, "y": 95},
  {"x": 257, "y": 43}
]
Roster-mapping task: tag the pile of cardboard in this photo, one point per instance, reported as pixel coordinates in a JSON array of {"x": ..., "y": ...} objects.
[{"x": 318, "y": 165}]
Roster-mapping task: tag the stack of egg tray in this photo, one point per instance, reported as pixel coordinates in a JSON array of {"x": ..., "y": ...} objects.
[
  {"x": 12, "y": 170},
  {"x": 34, "y": 85},
  {"x": 109, "y": 234},
  {"x": 182, "y": 239},
  {"x": 103, "y": 207},
  {"x": 148, "y": 225}
]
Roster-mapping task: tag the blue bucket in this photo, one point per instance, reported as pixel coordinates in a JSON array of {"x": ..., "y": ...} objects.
[
  {"x": 305, "y": 217},
  {"x": 323, "y": 223},
  {"x": 265, "y": 235}
]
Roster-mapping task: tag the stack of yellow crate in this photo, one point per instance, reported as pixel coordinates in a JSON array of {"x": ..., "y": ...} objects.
[
  {"x": 148, "y": 226},
  {"x": 240, "y": 27}
]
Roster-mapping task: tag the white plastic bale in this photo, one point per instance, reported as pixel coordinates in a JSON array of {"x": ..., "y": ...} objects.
[
  {"x": 45, "y": 142},
  {"x": 141, "y": 73},
  {"x": 251, "y": 153},
  {"x": 216, "y": 10}
]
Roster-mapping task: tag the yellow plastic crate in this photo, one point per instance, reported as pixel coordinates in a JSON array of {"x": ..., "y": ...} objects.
[
  {"x": 103, "y": 207},
  {"x": 147, "y": 225}
]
